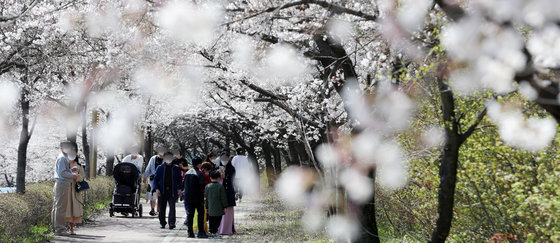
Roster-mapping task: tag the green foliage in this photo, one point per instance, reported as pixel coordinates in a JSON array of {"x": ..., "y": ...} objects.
[
  {"x": 27, "y": 217},
  {"x": 502, "y": 192}
]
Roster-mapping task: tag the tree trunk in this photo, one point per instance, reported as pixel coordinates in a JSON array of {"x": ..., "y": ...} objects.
[
  {"x": 277, "y": 162},
  {"x": 269, "y": 168},
  {"x": 109, "y": 163},
  {"x": 85, "y": 144},
  {"x": 335, "y": 59},
  {"x": 294, "y": 159},
  {"x": 368, "y": 219},
  {"x": 448, "y": 167},
  {"x": 302, "y": 154},
  {"x": 148, "y": 145},
  {"x": 24, "y": 138}
]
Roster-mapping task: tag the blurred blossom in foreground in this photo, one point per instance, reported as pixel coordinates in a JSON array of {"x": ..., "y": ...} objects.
[
  {"x": 9, "y": 95},
  {"x": 243, "y": 50},
  {"x": 544, "y": 45},
  {"x": 358, "y": 186},
  {"x": 340, "y": 30},
  {"x": 412, "y": 13},
  {"x": 327, "y": 155},
  {"x": 432, "y": 137},
  {"x": 190, "y": 23},
  {"x": 293, "y": 184},
  {"x": 342, "y": 228},
  {"x": 531, "y": 134},
  {"x": 284, "y": 64}
]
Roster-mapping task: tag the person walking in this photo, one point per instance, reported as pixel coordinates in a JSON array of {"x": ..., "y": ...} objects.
[
  {"x": 135, "y": 158},
  {"x": 75, "y": 209},
  {"x": 216, "y": 202},
  {"x": 227, "y": 225},
  {"x": 168, "y": 186},
  {"x": 243, "y": 171},
  {"x": 61, "y": 191},
  {"x": 194, "y": 197},
  {"x": 150, "y": 171}
]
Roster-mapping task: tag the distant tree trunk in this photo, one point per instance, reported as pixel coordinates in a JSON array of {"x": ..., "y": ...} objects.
[
  {"x": 448, "y": 167},
  {"x": 269, "y": 168},
  {"x": 110, "y": 163},
  {"x": 85, "y": 144},
  {"x": 24, "y": 138},
  {"x": 148, "y": 145},
  {"x": 252, "y": 156},
  {"x": 294, "y": 158},
  {"x": 277, "y": 161},
  {"x": 302, "y": 154}
]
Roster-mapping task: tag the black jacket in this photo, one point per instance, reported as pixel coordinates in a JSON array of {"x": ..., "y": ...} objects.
[
  {"x": 228, "y": 184},
  {"x": 193, "y": 185}
]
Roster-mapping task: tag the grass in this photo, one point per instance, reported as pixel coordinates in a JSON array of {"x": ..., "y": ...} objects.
[
  {"x": 26, "y": 217},
  {"x": 274, "y": 222}
]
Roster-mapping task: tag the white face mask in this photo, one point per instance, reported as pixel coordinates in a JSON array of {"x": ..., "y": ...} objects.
[
  {"x": 225, "y": 162},
  {"x": 71, "y": 155},
  {"x": 167, "y": 161},
  {"x": 214, "y": 160}
]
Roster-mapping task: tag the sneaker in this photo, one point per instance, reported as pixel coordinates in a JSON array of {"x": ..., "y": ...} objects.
[
  {"x": 202, "y": 236},
  {"x": 171, "y": 227},
  {"x": 152, "y": 213},
  {"x": 163, "y": 226},
  {"x": 191, "y": 235}
]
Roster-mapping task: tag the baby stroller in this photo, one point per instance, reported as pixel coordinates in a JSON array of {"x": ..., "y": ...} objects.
[{"x": 126, "y": 197}]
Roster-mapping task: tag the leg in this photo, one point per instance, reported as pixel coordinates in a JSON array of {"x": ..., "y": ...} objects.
[
  {"x": 186, "y": 212},
  {"x": 190, "y": 217},
  {"x": 60, "y": 205},
  {"x": 172, "y": 215},
  {"x": 72, "y": 228},
  {"x": 200, "y": 209},
  {"x": 162, "y": 204}
]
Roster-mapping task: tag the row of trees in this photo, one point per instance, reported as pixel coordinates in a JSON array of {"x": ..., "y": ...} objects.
[{"x": 356, "y": 91}]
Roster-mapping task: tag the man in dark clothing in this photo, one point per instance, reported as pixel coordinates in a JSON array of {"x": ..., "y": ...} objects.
[
  {"x": 194, "y": 197},
  {"x": 167, "y": 182}
]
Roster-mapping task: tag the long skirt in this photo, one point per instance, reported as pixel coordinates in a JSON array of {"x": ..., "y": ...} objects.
[{"x": 226, "y": 226}]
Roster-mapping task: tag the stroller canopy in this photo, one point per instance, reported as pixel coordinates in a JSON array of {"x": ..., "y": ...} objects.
[{"x": 126, "y": 174}]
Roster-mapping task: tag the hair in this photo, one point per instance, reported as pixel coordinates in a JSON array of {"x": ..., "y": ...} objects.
[
  {"x": 207, "y": 166},
  {"x": 196, "y": 161},
  {"x": 240, "y": 151},
  {"x": 210, "y": 155},
  {"x": 225, "y": 152},
  {"x": 215, "y": 175}
]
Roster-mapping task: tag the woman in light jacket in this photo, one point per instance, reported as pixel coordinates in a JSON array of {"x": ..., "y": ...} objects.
[{"x": 75, "y": 209}]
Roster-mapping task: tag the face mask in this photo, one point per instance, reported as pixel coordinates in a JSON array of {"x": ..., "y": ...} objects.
[
  {"x": 214, "y": 160},
  {"x": 71, "y": 155},
  {"x": 225, "y": 162},
  {"x": 167, "y": 161}
]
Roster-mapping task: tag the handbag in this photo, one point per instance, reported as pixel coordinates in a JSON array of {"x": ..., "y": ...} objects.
[{"x": 82, "y": 186}]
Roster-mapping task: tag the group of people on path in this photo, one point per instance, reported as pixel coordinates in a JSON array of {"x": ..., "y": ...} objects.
[
  {"x": 68, "y": 202},
  {"x": 207, "y": 190}
]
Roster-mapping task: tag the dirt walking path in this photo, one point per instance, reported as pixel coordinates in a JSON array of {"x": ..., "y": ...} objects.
[{"x": 147, "y": 228}]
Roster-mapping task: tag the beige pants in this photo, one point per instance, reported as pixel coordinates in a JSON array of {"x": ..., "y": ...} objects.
[{"x": 61, "y": 194}]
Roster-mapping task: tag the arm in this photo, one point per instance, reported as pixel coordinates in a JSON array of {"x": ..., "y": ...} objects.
[
  {"x": 62, "y": 168},
  {"x": 148, "y": 172},
  {"x": 157, "y": 178},
  {"x": 81, "y": 174},
  {"x": 223, "y": 197}
]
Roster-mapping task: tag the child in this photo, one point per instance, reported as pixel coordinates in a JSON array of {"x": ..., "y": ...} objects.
[{"x": 216, "y": 201}]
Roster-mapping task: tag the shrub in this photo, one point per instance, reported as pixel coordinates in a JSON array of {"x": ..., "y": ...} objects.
[{"x": 22, "y": 214}]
